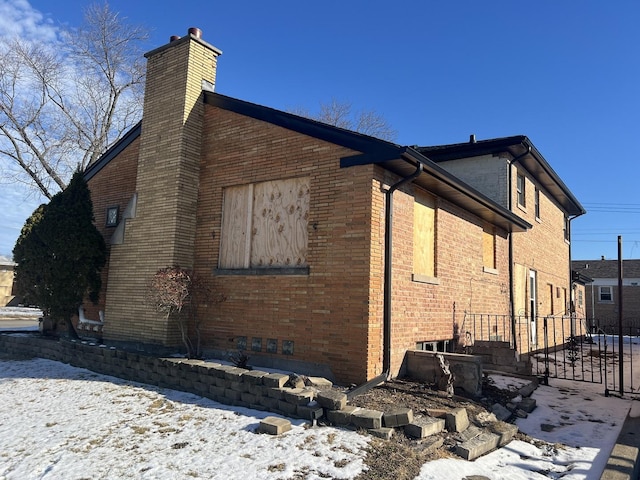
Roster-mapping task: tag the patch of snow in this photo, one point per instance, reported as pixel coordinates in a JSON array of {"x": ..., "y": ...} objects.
[{"x": 59, "y": 422}]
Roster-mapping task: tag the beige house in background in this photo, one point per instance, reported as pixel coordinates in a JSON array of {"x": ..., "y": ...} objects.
[{"x": 6, "y": 280}]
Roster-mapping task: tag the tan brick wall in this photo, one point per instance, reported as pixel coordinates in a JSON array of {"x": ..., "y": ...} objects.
[
  {"x": 433, "y": 312},
  {"x": 325, "y": 313},
  {"x": 6, "y": 285},
  {"x": 543, "y": 249},
  {"x": 335, "y": 314},
  {"x": 163, "y": 232},
  {"x": 113, "y": 186}
]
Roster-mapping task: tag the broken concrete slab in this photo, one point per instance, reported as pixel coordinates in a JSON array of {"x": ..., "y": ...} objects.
[
  {"x": 484, "y": 418},
  {"x": 366, "y": 418},
  {"x": 398, "y": 417},
  {"x": 501, "y": 412},
  {"x": 527, "y": 404},
  {"x": 319, "y": 382},
  {"x": 478, "y": 446},
  {"x": 528, "y": 389},
  {"x": 332, "y": 399},
  {"x": 274, "y": 425},
  {"x": 422, "y": 427},
  {"x": 469, "y": 434},
  {"x": 457, "y": 420},
  {"x": 341, "y": 417},
  {"x": 506, "y": 431},
  {"x": 383, "y": 432}
]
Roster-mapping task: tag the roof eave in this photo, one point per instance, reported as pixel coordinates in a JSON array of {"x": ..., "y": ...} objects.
[
  {"x": 437, "y": 180},
  {"x": 515, "y": 146}
]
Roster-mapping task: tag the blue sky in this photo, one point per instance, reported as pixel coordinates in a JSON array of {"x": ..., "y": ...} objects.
[{"x": 566, "y": 74}]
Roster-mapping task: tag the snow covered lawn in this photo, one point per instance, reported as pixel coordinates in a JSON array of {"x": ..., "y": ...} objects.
[{"x": 61, "y": 422}]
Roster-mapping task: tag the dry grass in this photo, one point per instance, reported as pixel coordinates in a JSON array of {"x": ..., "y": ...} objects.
[{"x": 391, "y": 460}]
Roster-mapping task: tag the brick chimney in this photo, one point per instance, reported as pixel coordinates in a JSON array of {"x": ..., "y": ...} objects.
[{"x": 162, "y": 233}]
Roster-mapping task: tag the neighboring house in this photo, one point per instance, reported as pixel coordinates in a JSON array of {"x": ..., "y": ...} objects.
[
  {"x": 601, "y": 294},
  {"x": 336, "y": 252},
  {"x": 6, "y": 280},
  {"x": 513, "y": 173}
]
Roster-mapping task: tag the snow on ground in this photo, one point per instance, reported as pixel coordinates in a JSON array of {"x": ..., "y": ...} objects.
[
  {"x": 20, "y": 311},
  {"x": 61, "y": 422},
  {"x": 574, "y": 414}
]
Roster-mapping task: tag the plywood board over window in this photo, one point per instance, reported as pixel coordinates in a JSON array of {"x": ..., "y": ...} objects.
[
  {"x": 265, "y": 225},
  {"x": 424, "y": 215}
]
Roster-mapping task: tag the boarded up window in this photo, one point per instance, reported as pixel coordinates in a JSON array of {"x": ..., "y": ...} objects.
[
  {"x": 489, "y": 247},
  {"x": 265, "y": 225},
  {"x": 424, "y": 215},
  {"x": 520, "y": 289}
]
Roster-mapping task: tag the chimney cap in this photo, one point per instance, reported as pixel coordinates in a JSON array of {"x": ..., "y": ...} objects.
[
  {"x": 196, "y": 32},
  {"x": 472, "y": 138},
  {"x": 173, "y": 38}
]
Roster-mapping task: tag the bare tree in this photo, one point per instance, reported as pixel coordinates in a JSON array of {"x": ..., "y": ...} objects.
[
  {"x": 341, "y": 114},
  {"x": 64, "y": 102}
]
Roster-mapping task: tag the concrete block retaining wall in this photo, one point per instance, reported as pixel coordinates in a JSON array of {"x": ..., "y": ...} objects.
[{"x": 223, "y": 383}]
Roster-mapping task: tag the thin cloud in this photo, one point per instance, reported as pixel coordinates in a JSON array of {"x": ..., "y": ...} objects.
[{"x": 19, "y": 18}]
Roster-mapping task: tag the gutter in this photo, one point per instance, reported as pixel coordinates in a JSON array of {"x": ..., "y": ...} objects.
[{"x": 388, "y": 252}]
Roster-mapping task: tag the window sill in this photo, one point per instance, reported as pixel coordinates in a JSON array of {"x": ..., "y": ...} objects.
[
  {"x": 262, "y": 271},
  {"x": 424, "y": 279},
  {"x": 491, "y": 271}
]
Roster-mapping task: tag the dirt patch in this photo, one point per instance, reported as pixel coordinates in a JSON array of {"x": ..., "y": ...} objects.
[{"x": 402, "y": 457}]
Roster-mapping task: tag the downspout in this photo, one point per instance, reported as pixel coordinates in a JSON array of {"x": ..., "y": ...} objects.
[
  {"x": 512, "y": 306},
  {"x": 388, "y": 251},
  {"x": 386, "y": 315}
]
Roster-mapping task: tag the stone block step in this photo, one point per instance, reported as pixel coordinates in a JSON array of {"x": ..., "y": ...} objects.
[
  {"x": 478, "y": 446},
  {"x": 274, "y": 425},
  {"x": 398, "y": 417},
  {"x": 422, "y": 427}
]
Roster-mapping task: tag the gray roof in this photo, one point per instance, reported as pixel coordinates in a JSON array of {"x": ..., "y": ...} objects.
[{"x": 606, "y": 268}]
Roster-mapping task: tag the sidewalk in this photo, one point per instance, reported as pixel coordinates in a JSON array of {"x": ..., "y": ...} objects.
[{"x": 623, "y": 463}]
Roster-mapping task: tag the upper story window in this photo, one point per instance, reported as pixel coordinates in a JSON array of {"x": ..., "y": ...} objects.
[
  {"x": 520, "y": 188},
  {"x": 567, "y": 229},
  {"x": 605, "y": 294},
  {"x": 537, "y": 203},
  {"x": 264, "y": 225}
]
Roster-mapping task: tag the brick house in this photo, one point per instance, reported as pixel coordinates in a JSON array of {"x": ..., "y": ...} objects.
[
  {"x": 513, "y": 173},
  {"x": 336, "y": 252},
  {"x": 601, "y": 293},
  {"x": 6, "y": 280}
]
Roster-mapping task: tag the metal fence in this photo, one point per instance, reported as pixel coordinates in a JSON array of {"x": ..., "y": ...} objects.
[{"x": 565, "y": 347}]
